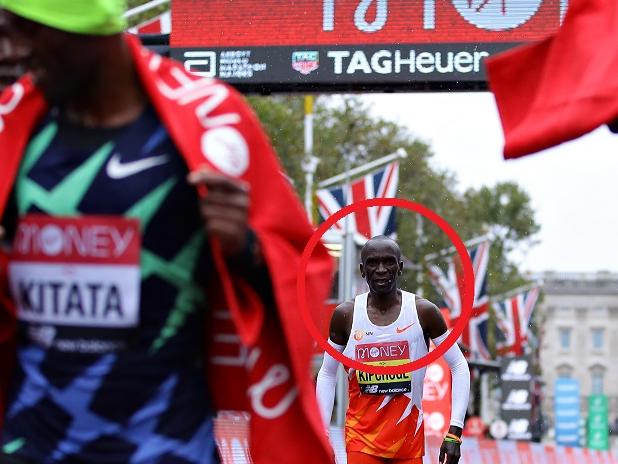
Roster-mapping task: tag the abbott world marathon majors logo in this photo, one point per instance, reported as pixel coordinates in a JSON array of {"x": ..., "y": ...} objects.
[{"x": 76, "y": 271}]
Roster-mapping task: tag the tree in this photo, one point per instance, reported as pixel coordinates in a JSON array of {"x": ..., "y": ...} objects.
[
  {"x": 345, "y": 125},
  {"x": 146, "y": 15},
  {"x": 503, "y": 211}
]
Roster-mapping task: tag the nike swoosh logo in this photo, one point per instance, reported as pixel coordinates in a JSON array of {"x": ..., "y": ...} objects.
[
  {"x": 117, "y": 170},
  {"x": 403, "y": 329},
  {"x": 13, "y": 446}
]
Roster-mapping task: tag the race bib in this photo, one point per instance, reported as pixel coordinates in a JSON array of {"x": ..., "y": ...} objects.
[
  {"x": 76, "y": 281},
  {"x": 384, "y": 354}
]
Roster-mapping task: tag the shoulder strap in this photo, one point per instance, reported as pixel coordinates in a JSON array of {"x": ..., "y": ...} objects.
[
  {"x": 408, "y": 304},
  {"x": 359, "y": 318}
]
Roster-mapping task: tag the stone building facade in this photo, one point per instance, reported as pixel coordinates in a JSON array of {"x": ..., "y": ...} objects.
[{"x": 579, "y": 320}]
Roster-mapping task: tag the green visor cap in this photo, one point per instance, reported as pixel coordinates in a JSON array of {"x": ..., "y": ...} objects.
[{"x": 89, "y": 17}]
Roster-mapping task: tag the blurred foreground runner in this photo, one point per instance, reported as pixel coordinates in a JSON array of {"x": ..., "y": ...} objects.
[
  {"x": 388, "y": 327},
  {"x": 10, "y": 66},
  {"x": 108, "y": 250}
]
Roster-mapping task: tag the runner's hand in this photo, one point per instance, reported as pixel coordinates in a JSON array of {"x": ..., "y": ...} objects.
[
  {"x": 450, "y": 453},
  {"x": 224, "y": 209}
]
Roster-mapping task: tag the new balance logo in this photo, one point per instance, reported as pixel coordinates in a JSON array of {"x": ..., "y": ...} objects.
[
  {"x": 517, "y": 367},
  {"x": 517, "y": 399},
  {"x": 372, "y": 389},
  {"x": 518, "y": 426}
]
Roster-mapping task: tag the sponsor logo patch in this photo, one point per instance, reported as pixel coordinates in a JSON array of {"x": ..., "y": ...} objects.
[
  {"x": 384, "y": 354},
  {"x": 76, "y": 272},
  {"x": 305, "y": 62}
]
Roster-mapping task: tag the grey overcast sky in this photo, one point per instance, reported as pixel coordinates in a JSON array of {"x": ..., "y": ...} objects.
[{"x": 573, "y": 187}]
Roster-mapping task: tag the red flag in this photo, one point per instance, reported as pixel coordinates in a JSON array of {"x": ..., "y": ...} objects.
[{"x": 562, "y": 87}]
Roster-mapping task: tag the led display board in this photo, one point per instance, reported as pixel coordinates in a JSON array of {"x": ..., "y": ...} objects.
[{"x": 358, "y": 45}]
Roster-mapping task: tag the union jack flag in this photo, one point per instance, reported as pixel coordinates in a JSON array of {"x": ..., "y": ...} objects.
[
  {"x": 377, "y": 220},
  {"x": 513, "y": 316},
  {"x": 450, "y": 285}
]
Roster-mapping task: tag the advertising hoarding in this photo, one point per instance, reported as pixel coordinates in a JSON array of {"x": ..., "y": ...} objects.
[
  {"x": 598, "y": 422},
  {"x": 516, "y": 408},
  {"x": 437, "y": 399},
  {"x": 567, "y": 411},
  {"x": 272, "y": 45}
]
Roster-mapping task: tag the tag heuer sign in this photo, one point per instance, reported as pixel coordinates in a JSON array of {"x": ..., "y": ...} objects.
[{"x": 305, "y": 61}]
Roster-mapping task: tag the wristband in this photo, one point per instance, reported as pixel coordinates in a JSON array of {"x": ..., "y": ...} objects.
[{"x": 452, "y": 438}]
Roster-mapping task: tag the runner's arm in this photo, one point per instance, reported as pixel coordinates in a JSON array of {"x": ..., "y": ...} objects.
[
  {"x": 434, "y": 327},
  {"x": 326, "y": 383},
  {"x": 225, "y": 212},
  {"x": 249, "y": 264},
  {"x": 339, "y": 332},
  {"x": 460, "y": 374}
]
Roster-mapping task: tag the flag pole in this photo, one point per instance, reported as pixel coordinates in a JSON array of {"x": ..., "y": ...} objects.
[
  {"x": 447, "y": 251},
  {"x": 144, "y": 7},
  {"x": 400, "y": 153},
  {"x": 419, "y": 247},
  {"x": 309, "y": 164},
  {"x": 346, "y": 290},
  {"x": 515, "y": 291}
]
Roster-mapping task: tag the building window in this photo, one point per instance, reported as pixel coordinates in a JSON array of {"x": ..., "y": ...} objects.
[
  {"x": 565, "y": 338},
  {"x": 597, "y": 339},
  {"x": 597, "y": 383},
  {"x": 565, "y": 371}
]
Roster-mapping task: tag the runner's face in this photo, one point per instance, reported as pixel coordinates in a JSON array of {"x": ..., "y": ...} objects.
[
  {"x": 380, "y": 266},
  {"x": 60, "y": 62},
  {"x": 12, "y": 55}
]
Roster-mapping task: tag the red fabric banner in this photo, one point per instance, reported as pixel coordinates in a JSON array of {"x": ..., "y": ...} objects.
[
  {"x": 437, "y": 399},
  {"x": 562, "y": 87}
]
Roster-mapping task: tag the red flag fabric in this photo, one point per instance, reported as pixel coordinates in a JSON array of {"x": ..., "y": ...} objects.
[
  {"x": 562, "y": 87},
  {"x": 268, "y": 374}
]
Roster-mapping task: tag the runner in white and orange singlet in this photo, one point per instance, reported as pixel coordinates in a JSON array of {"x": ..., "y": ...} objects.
[{"x": 388, "y": 326}]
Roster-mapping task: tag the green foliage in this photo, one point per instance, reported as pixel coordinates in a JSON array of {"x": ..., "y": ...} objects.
[
  {"x": 345, "y": 125},
  {"x": 145, "y": 16}
]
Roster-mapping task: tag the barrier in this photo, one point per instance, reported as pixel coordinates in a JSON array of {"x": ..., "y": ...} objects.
[{"x": 232, "y": 436}]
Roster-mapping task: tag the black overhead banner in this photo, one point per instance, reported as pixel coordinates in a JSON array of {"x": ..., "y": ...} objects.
[{"x": 358, "y": 45}]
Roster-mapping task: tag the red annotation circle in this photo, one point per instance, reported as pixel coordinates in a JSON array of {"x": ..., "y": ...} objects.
[{"x": 468, "y": 286}]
